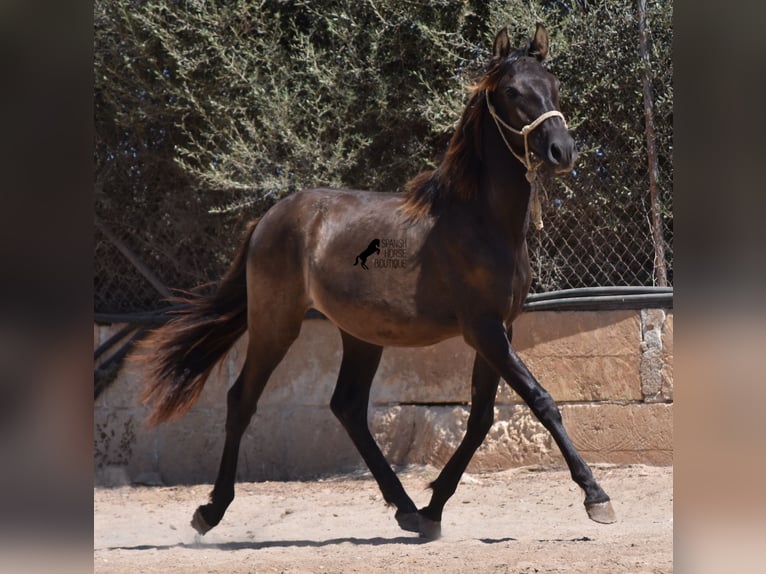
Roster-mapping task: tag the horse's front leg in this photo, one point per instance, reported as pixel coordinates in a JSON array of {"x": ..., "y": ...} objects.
[
  {"x": 489, "y": 339},
  {"x": 484, "y": 383}
]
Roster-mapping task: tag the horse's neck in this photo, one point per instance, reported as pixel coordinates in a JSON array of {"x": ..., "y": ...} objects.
[{"x": 504, "y": 186}]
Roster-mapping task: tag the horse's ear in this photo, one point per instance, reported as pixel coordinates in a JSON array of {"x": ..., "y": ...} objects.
[
  {"x": 502, "y": 46},
  {"x": 539, "y": 45}
]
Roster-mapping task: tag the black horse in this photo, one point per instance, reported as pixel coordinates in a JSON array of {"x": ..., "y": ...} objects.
[
  {"x": 465, "y": 226},
  {"x": 373, "y": 247}
]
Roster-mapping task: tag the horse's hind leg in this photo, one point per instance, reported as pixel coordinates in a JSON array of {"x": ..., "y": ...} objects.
[
  {"x": 484, "y": 383},
  {"x": 349, "y": 403},
  {"x": 238, "y": 414},
  {"x": 266, "y": 348}
]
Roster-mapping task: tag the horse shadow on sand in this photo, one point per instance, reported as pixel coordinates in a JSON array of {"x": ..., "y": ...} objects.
[{"x": 254, "y": 545}]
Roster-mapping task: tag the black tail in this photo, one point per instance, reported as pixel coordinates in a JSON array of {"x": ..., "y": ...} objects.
[{"x": 182, "y": 353}]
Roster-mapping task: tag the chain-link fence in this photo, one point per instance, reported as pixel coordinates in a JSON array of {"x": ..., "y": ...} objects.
[
  {"x": 599, "y": 228},
  {"x": 598, "y": 223}
]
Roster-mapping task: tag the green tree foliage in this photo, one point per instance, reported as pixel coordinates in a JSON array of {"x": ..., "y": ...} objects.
[{"x": 207, "y": 112}]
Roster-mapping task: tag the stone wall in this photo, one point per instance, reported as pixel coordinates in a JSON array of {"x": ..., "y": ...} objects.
[{"x": 611, "y": 373}]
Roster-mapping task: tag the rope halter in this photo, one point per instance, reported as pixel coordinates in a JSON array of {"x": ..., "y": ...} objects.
[{"x": 526, "y": 159}]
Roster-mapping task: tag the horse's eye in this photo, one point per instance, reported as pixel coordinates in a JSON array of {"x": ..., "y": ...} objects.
[{"x": 512, "y": 92}]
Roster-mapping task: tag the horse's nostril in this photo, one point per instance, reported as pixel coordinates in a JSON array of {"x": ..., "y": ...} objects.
[{"x": 555, "y": 153}]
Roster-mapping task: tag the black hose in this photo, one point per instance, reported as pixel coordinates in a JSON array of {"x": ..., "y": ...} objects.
[
  {"x": 603, "y": 302},
  {"x": 596, "y": 292}
]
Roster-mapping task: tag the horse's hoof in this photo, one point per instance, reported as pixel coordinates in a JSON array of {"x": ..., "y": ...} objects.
[
  {"x": 601, "y": 512},
  {"x": 199, "y": 523},
  {"x": 428, "y": 528},
  {"x": 408, "y": 521}
]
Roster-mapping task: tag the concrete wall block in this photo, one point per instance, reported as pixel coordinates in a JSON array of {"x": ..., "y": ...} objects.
[
  {"x": 656, "y": 361},
  {"x": 280, "y": 443},
  {"x": 125, "y": 391},
  {"x": 121, "y": 392},
  {"x": 295, "y": 442},
  {"x": 102, "y": 332},
  {"x": 438, "y": 432},
  {"x": 307, "y": 374},
  {"x": 577, "y": 356},
  {"x": 189, "y": 449},
  {"x": 667, "y": 358},
  {"x": 582, "y": 378},
  {"x": 431, "y": 435},
  {"x": 394, "y": 430},
  {"x": 121, "y": 440},
  {"x": 634, "y": 433},
  {"x": 434, "y": 374},
  {"x": 577, "y": 333},
  {"x": 516, "y": 438},
  {"x": 580, "y": 356}
]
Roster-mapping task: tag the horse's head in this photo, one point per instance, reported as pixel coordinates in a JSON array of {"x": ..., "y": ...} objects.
[{"x": 524, "y": 102}]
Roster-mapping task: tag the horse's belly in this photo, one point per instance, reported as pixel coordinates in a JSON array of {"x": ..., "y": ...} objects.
[
  {"x": 389, "y": 334},
  {"x": 381, "y": 323}
]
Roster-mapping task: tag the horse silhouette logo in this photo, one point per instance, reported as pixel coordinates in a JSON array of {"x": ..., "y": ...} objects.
[{"x": 373, "y": 247}]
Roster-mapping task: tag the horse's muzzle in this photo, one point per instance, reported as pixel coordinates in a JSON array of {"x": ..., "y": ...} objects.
[{"x": 562, "y": 153}]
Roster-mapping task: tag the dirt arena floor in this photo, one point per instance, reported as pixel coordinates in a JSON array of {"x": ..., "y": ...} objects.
[{"x": 519, "y": 521}]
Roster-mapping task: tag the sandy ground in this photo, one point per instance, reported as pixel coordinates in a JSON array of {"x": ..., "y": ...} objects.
[{"x": 520, "y": 521}]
